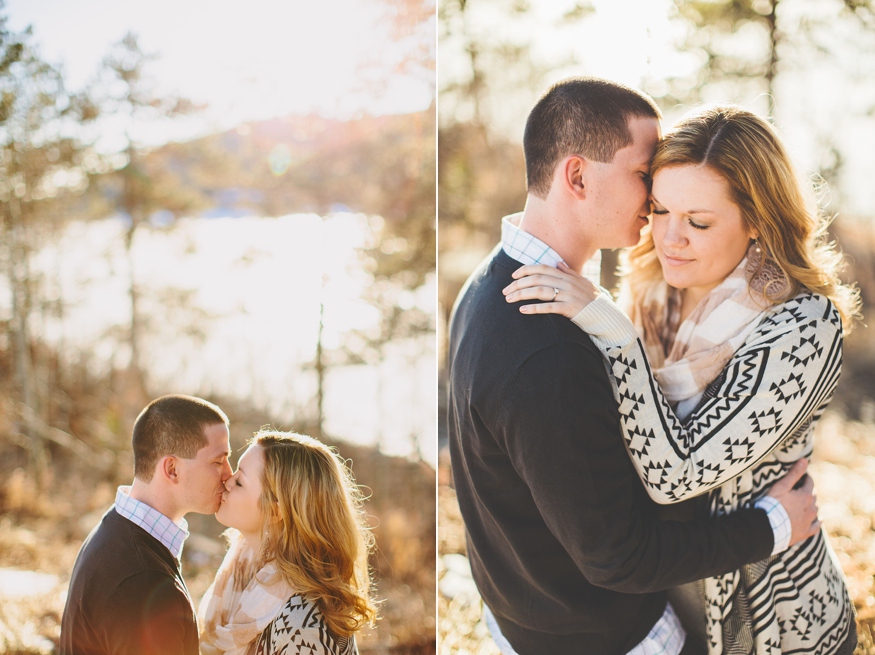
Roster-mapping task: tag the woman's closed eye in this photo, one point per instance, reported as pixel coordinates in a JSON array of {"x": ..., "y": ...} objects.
[{"x": 661, "y": 211}]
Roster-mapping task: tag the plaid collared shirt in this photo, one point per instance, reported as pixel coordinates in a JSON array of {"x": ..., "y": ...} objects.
[
  {"x": 527, "y": 249},
  {"x": 171, "y": 534}
]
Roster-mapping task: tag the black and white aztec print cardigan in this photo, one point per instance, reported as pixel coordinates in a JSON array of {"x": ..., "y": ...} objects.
[
  {"x": 300, "y": 629},
  {"x": 753, "y": 422}
]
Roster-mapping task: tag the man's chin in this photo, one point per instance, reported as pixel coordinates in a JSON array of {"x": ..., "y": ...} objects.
[{"x": 211, "y": 509}]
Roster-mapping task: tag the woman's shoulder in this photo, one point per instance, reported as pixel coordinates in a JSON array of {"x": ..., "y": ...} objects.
[
  {"x": 300, "y": 628},
  {"x": 806, "y": 308}
]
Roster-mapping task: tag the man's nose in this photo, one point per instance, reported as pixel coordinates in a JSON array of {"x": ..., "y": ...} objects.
[{"x": 226, "y": 472}]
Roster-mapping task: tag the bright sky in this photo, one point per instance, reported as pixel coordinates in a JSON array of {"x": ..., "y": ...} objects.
[{"x": 247, "y": 60}]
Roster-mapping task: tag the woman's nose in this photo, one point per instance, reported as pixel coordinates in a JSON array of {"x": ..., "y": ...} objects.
[{"x": 674, "y": 233}]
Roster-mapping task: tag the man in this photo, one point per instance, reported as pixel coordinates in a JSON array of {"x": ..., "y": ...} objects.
[
  {"x": 127, "y": 595},
  {"x": 564, "y": 543}
]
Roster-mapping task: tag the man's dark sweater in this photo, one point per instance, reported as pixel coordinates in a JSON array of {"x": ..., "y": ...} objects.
[
  {"x": 564, "y": 543},
  {"x": 127, "y": 596}
]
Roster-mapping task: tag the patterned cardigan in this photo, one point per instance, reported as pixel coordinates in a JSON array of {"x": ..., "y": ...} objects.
[
  {"x": 753, "y": 422},
  {"x": 300, "y": 629}
]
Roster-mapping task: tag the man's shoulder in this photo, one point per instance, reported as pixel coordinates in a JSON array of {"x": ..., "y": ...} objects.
[
  {"x": 481, "y": 314},
  {"x": 117, "y": 549}
]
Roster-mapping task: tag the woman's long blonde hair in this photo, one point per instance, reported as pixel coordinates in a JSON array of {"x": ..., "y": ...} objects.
[
  {"x": 320, "y": 543},
  {"x": 747, "y": 152}
]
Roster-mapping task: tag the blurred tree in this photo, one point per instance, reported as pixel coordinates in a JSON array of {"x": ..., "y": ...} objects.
[
  {"x": 864, "y": 10},
  {"x": 481, "y": 171},
  {"x": 144, "y": 185},
  {"x": 744, "y": 45},
  {"x": 40, "y": 169},
  {"x": 736, "y": 41}
]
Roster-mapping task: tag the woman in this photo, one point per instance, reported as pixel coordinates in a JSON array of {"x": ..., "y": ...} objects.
[
  {"x": 737, "y": 314},
  {"x": 295, "y": 579}
]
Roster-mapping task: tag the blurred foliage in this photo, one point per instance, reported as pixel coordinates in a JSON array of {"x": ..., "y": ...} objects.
[
  {"x": 40, "y": 172},
  {"x": 141, "y": 187}
]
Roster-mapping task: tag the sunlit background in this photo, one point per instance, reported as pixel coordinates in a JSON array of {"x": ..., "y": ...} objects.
[
  {"x": 251, "y": 61},
  {"x": 235, "y": 201},
  {"x": 806, "y": 64}
]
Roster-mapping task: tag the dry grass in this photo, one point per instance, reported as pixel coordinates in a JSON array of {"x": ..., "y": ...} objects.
[{"x": 844, "y": 472}]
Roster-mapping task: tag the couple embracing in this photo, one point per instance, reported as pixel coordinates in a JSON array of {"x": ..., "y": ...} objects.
[
  {"x": 632, "y": 480},
  {"x": 295, "y": 578}
]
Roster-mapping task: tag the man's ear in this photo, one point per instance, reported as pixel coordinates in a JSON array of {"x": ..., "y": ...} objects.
[
  {"x": 168, "y": 467},
  {"x": 573, "y": 169}
]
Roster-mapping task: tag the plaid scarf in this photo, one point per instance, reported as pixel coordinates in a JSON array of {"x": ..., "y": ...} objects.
[
  {"x": 241, "y": 602},
  {"x": 686, "y": 357}
]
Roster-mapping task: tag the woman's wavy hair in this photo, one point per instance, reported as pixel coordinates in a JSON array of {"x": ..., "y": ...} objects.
[
  {"x": 747, "y": 152},
  {"x": 321, "y": 542}
]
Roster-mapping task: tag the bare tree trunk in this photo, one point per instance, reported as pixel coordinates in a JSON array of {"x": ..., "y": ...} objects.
[
  {"x": 135, "y": 370},
  {"x": 772, "y": 69},
  {"x": 24, "y": 383},
  {"x": 319, "y": 367}
]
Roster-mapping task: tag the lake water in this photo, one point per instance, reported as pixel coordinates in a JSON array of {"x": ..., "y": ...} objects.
[{"x": 232, "y": 307}]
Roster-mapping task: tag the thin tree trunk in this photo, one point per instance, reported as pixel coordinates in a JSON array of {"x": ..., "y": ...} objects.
[
  {"x": 772, "y": 69},
  {"x": 319, "y": 366},
  {"x": 135, "y": 366},
  {"x": 24, "y": 383}
]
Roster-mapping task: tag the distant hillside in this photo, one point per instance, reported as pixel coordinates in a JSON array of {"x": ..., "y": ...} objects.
[{"x": 382, "y": 165}]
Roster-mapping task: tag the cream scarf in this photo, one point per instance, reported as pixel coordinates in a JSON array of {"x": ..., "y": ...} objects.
[
  {"x": 686, "y": 358},
  {"x": 240, "y": 603}
]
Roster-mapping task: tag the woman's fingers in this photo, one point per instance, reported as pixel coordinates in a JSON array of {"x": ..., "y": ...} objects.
[
  {"x": 532, "y": 281},
  {"x": 533, "y": 293},
  {"x": 533, "y": 269},
  {"x": 544, "y": 308},
  {"x": 564, "y": 291}
]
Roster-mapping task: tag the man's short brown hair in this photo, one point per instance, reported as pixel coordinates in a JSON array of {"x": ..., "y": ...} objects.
[
  {"x": 171, "y": 425},
  {"x": 584, "y": 116}
]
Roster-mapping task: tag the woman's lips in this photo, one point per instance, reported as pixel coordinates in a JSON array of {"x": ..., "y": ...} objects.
[{"x": 675, "y": 261}]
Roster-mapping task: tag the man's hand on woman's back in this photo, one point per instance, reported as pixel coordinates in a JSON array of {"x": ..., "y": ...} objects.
[{"x": 795, "y": 492}]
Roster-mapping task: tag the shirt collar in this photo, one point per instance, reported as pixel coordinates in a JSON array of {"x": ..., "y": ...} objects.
[
  {"x": 171, "y": 535},
  {"x": 528, "y": 249}
]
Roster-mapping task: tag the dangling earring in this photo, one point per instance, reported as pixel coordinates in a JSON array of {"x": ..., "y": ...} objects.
[{"x": 756, "y": 246}]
